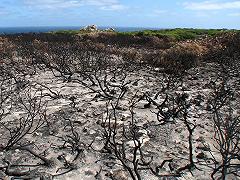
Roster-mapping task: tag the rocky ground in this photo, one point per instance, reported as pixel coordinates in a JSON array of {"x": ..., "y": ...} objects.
[{"x": 72, "y": 135}]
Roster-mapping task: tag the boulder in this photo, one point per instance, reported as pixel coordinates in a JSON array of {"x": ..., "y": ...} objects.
[{"x": 92, "y": 28}]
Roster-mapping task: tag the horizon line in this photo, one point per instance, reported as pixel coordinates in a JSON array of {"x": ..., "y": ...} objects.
[{"x": 100, "y": 26}]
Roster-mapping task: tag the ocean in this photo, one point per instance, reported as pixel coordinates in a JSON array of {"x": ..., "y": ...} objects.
[{"x": 15, "y": 30}]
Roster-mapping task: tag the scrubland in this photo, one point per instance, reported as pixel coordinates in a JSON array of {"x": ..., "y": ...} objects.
[{"x": 103, "y": 105}]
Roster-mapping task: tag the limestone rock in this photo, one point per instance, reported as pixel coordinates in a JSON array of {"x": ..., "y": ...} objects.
[{"x": 91, "y": 28}]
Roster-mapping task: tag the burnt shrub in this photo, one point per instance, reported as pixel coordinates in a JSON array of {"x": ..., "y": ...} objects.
[
  {"x": 181, "y": 56},
  {"x": 227, "y": 49}
]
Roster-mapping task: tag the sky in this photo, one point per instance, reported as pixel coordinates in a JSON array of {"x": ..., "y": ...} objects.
[{"x": 121, "y": 13}]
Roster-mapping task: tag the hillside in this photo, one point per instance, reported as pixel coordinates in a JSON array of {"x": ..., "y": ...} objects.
[{"x": 107, "y": 105}]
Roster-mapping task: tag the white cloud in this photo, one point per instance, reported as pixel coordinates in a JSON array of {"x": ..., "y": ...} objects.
[
  {"x": 234, "y": 14},
  {"x": 212, "y": 5},
  {"x": 51, "y": 4},
  {"x": 114, "y": 7},
  {"x": 63, "y": 4}
]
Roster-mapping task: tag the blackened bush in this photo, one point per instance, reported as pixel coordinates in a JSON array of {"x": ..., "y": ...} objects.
[
  {"x": 182, "y": 56},
  {"x": 227, "y": 51}
]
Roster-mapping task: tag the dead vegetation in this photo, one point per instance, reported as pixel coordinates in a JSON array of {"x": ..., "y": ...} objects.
[{"x": 68, "y": 104}]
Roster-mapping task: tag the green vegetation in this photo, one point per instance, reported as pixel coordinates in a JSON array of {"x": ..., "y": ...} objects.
[
  {"x": 177, "y": 34},
  {"x": 70, "y": 32},
  {"x": 73, "y": 32}
]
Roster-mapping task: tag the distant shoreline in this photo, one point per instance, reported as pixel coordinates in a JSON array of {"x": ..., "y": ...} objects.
[{"x": 43, "y": 29}]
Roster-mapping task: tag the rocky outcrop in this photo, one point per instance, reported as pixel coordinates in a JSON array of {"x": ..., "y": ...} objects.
[
  {"x": 91, "y": 28},
  {"x": 94, "y": 28}
]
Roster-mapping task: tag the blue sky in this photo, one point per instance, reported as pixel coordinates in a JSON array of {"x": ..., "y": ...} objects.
[{"x": 132, "y": 13}]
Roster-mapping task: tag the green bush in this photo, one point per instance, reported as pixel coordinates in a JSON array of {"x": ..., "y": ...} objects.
[{"x": 178, "y": 33}]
